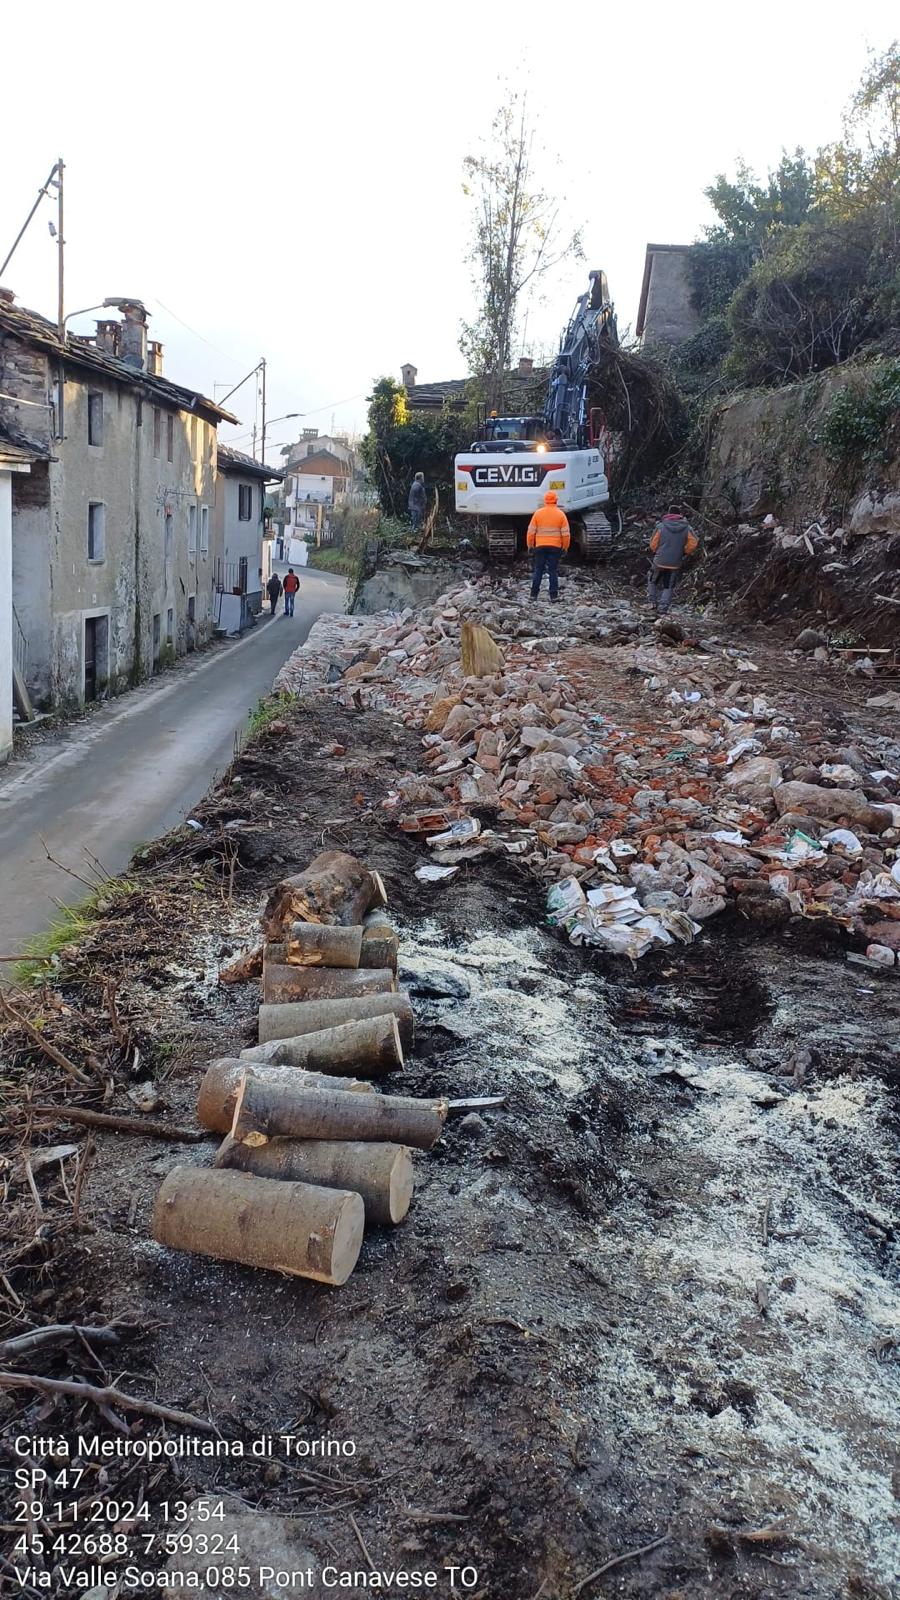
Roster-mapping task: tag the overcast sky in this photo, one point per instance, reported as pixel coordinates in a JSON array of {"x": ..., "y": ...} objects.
[{"x": 286, "y": 180}]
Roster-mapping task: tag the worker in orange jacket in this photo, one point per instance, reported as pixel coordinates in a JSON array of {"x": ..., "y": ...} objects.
[
  {"x": 548, "y": 537},
  {"x": 673, "y": 540}
]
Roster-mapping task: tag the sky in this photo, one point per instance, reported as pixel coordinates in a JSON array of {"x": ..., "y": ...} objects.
[{"x": 285, "y": 180}]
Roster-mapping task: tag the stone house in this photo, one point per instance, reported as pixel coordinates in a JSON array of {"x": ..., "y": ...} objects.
[
  {"x": 665, "y": 313},
  {"x": 243, "y": 551},
  {"x": 111, "y": 526}
]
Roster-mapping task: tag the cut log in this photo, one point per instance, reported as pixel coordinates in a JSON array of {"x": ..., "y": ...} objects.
[
  {"x": 371, "y": 1047},
  {"x": 286, "y": 1021},
  {"x": 314, "y": 944},
  {"x": 222, "y": 1079},
  {"x": 481, "y": 657},
  {"x": 288, "y": 1227},
  {"x": 323, "y": 983},
  {"x": 265, "y": 1110},
  {"x": 381, "y": 1173},
  {"x": 335, "y": 888},
  {"x": 380, "y": 948}
]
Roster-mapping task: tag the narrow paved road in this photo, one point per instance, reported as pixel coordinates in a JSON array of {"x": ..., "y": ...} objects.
[{"x": 135, "y": 768}]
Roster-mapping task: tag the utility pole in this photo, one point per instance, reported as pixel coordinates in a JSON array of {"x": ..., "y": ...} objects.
[
  {"x": 60, "y": 245},
  {"x": 262, "y": 368},
  {"x": 60, "y": 300}
]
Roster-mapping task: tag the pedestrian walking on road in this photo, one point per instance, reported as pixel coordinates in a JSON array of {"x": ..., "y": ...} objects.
[
  {"x": 548, "y": 537},
  {"x": 273, "y": 590},
  {"x": 673, "y": 539},
  {"x": 291, "y": 585},
  {"x": 416, "y": 502}
]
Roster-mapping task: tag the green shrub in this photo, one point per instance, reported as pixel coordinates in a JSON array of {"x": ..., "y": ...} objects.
[{"x": 857, "y": 424}]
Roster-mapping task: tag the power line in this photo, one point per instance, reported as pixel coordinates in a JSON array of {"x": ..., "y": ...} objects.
[{"x": 169, "y": 312}]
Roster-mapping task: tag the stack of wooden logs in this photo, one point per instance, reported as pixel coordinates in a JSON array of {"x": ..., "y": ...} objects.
[{"x": 299, "y": 1107}]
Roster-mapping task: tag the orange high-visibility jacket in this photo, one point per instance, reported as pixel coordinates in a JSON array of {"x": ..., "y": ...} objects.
[{"x": 549, "y": 527}]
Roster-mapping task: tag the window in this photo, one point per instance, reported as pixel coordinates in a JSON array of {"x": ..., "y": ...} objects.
[
  {"x": 169, "y": 536},
  {"x": 170, "y": 437},
  {"x": 170, "y": 626},
  {"x": 204, "y": 531},
  {"x": 95, "y": 418},
  {"x": 245, "y": 502},
  {"x": 96, "y": 532},
  {"x": 157, "y": 430},
  {"x": 192, "y": 531}
]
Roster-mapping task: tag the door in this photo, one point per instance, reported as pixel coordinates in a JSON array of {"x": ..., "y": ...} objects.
[{"x": 90, "y": 657}]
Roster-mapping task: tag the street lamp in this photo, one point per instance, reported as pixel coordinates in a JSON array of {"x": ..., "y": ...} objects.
[{"x": 269, "y": 422}]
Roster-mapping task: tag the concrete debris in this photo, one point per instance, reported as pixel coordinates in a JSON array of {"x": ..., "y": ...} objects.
[{"x": 644, "y": 831}]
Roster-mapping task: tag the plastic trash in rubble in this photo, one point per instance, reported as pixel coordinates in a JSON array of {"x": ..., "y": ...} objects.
[
  {"x": 726, "y": 836},
  {"x": 459, "y": 832},
  {"x": 429, "y": 873},
  {"x": 800, "y": 847},
  {"x": 191, "y": 822},
  {"x": 843, "y": 836},
  {"x": 742, "y": 748}
]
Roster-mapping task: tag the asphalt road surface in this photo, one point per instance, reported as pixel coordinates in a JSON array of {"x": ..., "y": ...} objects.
[{"x": 133, "y": 770}]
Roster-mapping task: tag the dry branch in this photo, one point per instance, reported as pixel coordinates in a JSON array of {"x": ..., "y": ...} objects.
[
  {"x": 104, "y": 1399},
  {"x": 107, "y": 1119},
  {"x": 44, "y": 1045}
]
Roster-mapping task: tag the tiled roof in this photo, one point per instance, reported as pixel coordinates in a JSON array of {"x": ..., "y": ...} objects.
[
  {"x": 28, "y": 325},
  {"x": 235, "y": 461},
  {"x": 520, "y": 394}
]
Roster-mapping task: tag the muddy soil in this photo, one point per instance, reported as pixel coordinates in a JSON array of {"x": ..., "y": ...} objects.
[{"x": 648, "y": 1303}]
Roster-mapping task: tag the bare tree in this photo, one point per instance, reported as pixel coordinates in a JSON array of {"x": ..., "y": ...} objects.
[{"x": 517, "y": 239}]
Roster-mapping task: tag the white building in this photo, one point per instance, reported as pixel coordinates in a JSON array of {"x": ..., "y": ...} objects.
[{"x": 243, "y": 552}]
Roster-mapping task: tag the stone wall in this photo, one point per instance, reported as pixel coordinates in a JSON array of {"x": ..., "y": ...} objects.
[{"x": 766, "y": 456}]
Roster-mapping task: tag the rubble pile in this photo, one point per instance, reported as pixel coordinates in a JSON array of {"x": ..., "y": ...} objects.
[{"x": 643, "y": 829}]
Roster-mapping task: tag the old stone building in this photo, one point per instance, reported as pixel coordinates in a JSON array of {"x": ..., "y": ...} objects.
[
  {"x": 111, "y": 526},
  {"x": 665, "y": 313}
]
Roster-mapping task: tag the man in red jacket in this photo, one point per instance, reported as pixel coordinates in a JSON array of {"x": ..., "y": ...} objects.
[
  {"x": 548, "y": 537},
  {"x": 291, "y": 585}
]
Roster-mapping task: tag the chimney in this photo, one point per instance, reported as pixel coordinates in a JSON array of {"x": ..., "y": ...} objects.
[
  {"x": 107, "y": 338},
  {"x": 134, "y": 334},
  {"x": 154, "y": 358},
  {"x": 409, "y": 374},
  {"x": 526, "y": 366},
  {"x": 7, "y": 296}
]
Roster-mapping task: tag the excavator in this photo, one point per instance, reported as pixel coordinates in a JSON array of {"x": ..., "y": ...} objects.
[{"x": 513, "y": 461}]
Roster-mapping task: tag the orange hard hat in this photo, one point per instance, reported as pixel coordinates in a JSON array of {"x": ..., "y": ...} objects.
[{"x": 550, "y": 497}]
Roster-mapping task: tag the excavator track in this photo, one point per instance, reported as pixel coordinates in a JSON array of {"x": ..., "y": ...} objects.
[
  {"x": 593, "y": 535},
  {"x": 501, "y": 541}
]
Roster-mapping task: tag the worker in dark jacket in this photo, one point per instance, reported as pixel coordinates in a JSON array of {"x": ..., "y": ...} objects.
[
  {"x": 416, "y": 502},
  {"x": 673, "y": 539},
  {"x": 273, "y": 590}
]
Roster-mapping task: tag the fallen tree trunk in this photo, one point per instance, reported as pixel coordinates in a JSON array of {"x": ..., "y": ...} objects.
[
  {"x": 221, "y": 1081},
  {"x": 289, "y": 1020},
  {"x": 288, "y": 1227},
  {"x": 371, "y": 1046},
  {"x": 281, "y": 983},
  {"x": 266, "y": 1110},
  {"x": 381, "y": 1173},
  {"x": 335, "y": 888}
]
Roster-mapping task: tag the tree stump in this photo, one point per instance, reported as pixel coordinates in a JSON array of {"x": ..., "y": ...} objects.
[
  {"x": 335, "y": 888},
  {"x": 287, "y": 1227},
  {"x": 381, "y": 1173}
]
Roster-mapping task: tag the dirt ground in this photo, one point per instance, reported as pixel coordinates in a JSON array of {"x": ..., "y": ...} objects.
[{"x": 646, "y": 1310}]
